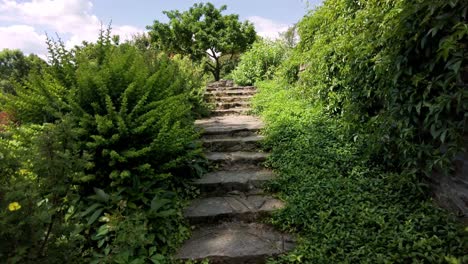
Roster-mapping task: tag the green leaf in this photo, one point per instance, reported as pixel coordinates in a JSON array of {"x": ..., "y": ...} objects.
[
  {"x": 156, "y": 203},
  {"x": 91, "y": 209},
  {"x": 95, "y": 216},
  {"x": 100, "y": 195}
]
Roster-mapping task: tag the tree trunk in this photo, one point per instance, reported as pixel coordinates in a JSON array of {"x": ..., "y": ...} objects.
[
  {"x": 217, "y": 70},
  {"x": 216, "y": 74}
]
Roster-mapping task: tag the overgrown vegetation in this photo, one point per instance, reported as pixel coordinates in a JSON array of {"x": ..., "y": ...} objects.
[
  {"x": 97, "y": 146},
  {"x": 103, "y": 154},
  {"x": 346, "y": 207},
  {"x": 260, "y": 62},
  {"x": 380, "y": 105}
]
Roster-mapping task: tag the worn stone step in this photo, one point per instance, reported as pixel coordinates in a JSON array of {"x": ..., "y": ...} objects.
[
  {"x": 221, "y": 182},
  {"x": 221, "y": 83},
  {"x": 235, "y": 243},
  {"x": 232, "y": 88},
  {"x": 234, "y": 160},
  {"x": 226, "y": 99},
  {"x": 228, "y": 105},
  {"x": 231, "y": 111},
  {"x": 236, "y": 206},
  {"x": 229, "y": 144},
  {"x": 230, "y": 93},
  {"x": 222, "y": 126}
]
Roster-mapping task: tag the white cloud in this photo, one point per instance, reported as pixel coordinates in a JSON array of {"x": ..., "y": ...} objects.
[
  {"x": 72, "y": 20},
  {"x": 267, "y": 28},
  {"x": 22, "y": 37}
]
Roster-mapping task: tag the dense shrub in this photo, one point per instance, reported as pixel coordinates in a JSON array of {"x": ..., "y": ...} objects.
[
  {"x": 113, "y": 150},
  {"x": 260, "y": 62},
  {"x": 394, "y": 70},
  {"x": 381, "y": 102},
  {"x": 345, "y": 207}
]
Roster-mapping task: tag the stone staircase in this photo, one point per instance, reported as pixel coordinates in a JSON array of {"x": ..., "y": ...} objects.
[{"x": 227, "y": 215}]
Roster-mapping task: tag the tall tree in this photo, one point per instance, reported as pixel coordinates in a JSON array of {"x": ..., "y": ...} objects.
[
  {"x": 15, "y": 67},
  {"x": 203, "y": 32}
]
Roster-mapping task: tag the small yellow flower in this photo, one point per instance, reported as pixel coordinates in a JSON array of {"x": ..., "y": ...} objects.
[
  {"x": 23, "y": 172},
  {"x": 14, "y": 206}
]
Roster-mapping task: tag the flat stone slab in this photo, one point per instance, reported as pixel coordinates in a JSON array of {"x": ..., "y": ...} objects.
[
  {"x": 235, "y": 206},
  {"x": 238, "y": 125},
  {"x": 235, "y": 243},
  {"x": 224, "y": 144},
  {"x": 228, "y": 105},
  {"x": 223, "y": 93},
  {"x": 231, "y": 88},
  {"x": 238, "y": 156},
  {"x": 231, "y": 111},
  {"x": 225, "y": 181},
  {"x": 232, "y": 98},
  {"x": 241, "y": 121}
]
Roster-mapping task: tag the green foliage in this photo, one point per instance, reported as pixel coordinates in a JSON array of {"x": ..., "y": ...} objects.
[
  {"x": 38, "y": 163},
  {"x": 203, "y": 32},
  {"x": 260, "y": 62},
  {"x": 114, "y": 150},
  {"x": 345, "y": 207},
  {"x": 15, "y": 68},
  {"x": 382, "y": 101},
  {"x": 394, "y": 71}
]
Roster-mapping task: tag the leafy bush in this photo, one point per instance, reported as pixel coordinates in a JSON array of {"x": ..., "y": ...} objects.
[
  {"x": 119, "y": 147},
  {"x": 260, "y": 62},
  {"x": 394, "y": 70},
  {"x": 345, "y": 207},
  {"x": 37, "y": 165},
  {"x": 381, "y": 102}
]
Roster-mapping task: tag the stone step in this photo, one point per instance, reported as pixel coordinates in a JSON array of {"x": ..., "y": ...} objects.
[
  {"x": 229, "y": 93},
  {"x": 232, "y": 88},
  {"x": 221, "y": 182},
  {"x": 233, "y": 160},
  {"x": 222, "y": 83},
  {"x": 223, "y": 126},
  {"x": 235, "y": 243},
  {"x": 228, "y": 105},
  {"x": 229, "y": 144},
  {"x": 231, "y": 111},
  {"x": 235, "y": 206},
  {"x": 227, "y": 99}
]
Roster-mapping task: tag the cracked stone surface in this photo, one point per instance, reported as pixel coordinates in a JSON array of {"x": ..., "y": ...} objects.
[
  {"x": 233, "y": 192},
  {"x": 228, "y": 105},
  {"x": 236, "y": 156},
  {"x": 233, "y": 144},
  {"x": 231, "y": 111},
  {"x": 242, "y": 177},
  {"x": 233, "y": 88},
  {"x": 235, "y": 243},
  {"x": 226, "y": 99},
  {"x": 241, "y": 206},
  {"x": 223, "y": 124},
  {"x": 230, "y": 92}
]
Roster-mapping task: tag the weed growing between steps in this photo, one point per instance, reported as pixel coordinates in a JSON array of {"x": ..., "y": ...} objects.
[{"x": 346, "y": 208}]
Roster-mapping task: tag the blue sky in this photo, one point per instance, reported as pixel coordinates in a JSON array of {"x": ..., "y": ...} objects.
[{"x": 24, "y": 23}]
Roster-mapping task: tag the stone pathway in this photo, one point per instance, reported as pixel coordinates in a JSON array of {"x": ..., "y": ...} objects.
[{"x": 227, "y": 215}]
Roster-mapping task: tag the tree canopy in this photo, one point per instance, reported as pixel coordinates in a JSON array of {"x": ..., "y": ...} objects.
[
  {"x": 204, "y": 33},
  {"x": 15, "y": 67}
]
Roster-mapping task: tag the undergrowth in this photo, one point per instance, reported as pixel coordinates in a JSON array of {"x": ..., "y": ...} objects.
[{"x": 345, "y": 207}]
